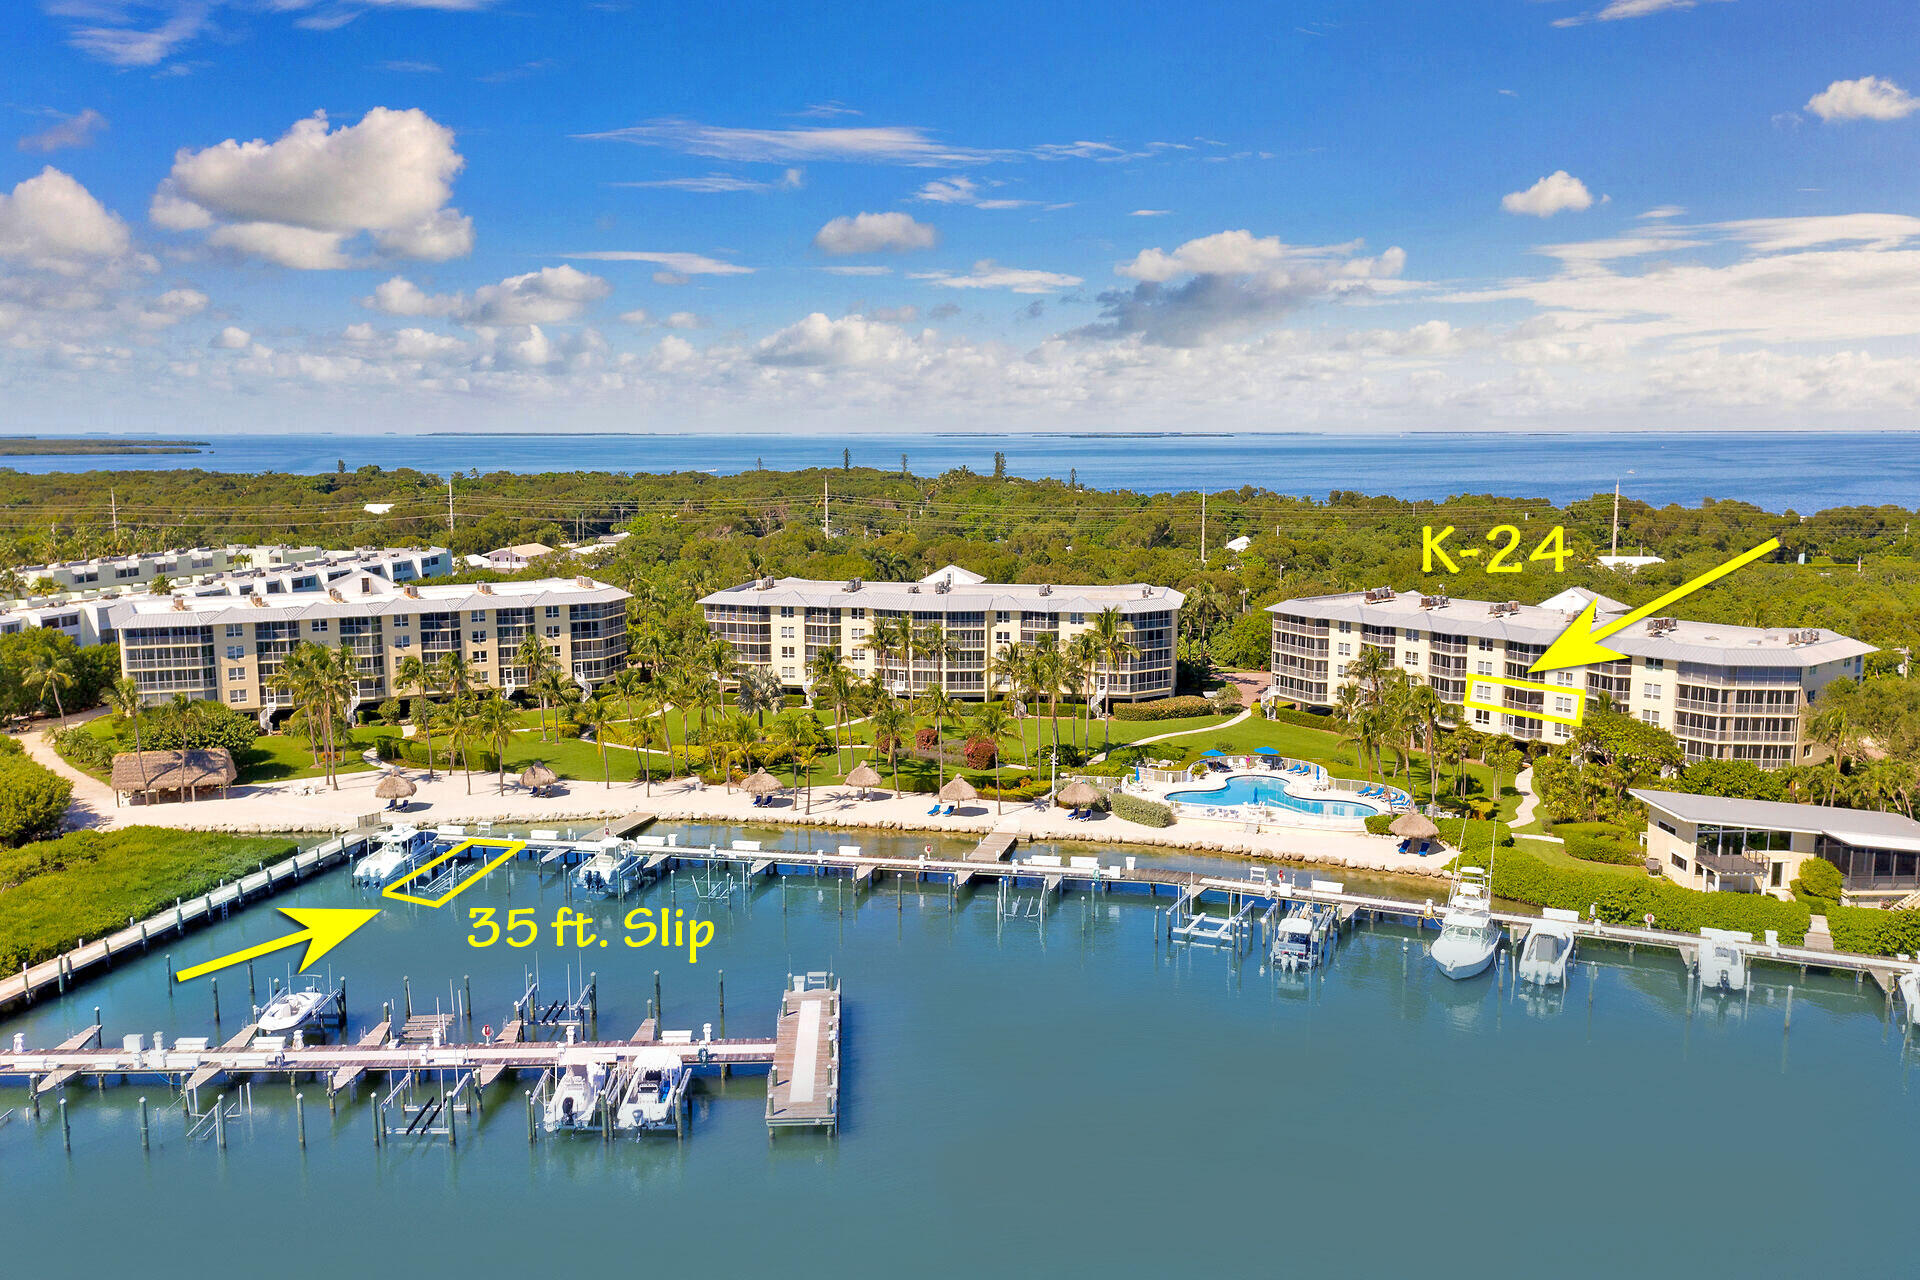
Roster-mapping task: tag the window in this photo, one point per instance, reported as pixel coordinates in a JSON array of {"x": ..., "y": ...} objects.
[
  {"x": 553, "y": 611},
  {"x": 236, "y": 673},
  {"x": 1003, "y": 615},
  {"x": 1002, "y": 637},
  {"x": 1346, "y": 650},
  {"x": 786, "y": 673},
  {"x": 786, "y": 611},
  {"x": 786, "y": 651},
  {"x": 1679, "y": 863},
  {"x": 319, "y": 626},
  {"x": 1077, "y": 619},
  {"x": 553, "y": 633},
  {"x": 1649, "y": 690},
  {"x": 856, "y": 613},
  {"x": 1411, "y": 634},
  {"x": 402, "y": 620},
  {"x": 1481, "y": 642},
  {"x": 1563, "y": 677},
  {"x": 1656, "y": 664},
  {"x": 786, "y": 633},
  {"x": 1563, "y": 706},
  {"x": 236, "y": 630},
  {"x": 481, "y": 656},
  {"x": 1481, "y": 716},
  {"x": 1483, "y": 668},
  {"x": 478, "y": 615},
  {"x": 477, "y": 637},
  {"x": 1340, "y": 669},
  {"x": 236, "y": 695},
  {"x": 1650, "y": 715},
  {"x": 1345, "y": 627},
  {"x": 236, "y": 651},
  {"x": 1667, "y": 827},
  {"x": 403, "y": 642},
  {"x": 1412, "y": 658}
]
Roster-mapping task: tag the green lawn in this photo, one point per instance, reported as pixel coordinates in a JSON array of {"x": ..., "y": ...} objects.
[{"x": 1555, "y": 855}]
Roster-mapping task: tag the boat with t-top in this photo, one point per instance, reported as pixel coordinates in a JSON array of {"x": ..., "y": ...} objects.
[
  {"x": 1469, "y": 937},
  {"x": 396, "y": 851}
]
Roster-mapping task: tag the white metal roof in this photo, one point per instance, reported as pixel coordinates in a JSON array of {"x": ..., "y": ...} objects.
[
  {"x": 977, "y": 595},
  {"x": 362, "y": 595},
  {"x": 1858, "y": 827}
]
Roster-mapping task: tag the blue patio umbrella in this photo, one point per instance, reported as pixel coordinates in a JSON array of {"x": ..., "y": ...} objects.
[
  {"x": 1212, "y": 751},
  {"x": 1266, "y": 751}
]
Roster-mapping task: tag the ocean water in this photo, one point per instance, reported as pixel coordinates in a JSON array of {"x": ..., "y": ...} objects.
[
  {"x": 1804, "y": 471},
  {"x": 1061, "y": 1095}
]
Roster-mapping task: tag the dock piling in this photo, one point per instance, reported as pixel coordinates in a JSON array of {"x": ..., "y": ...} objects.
[
  {"x": 531, "y": 1132},
  {"x": 407, "y": 984},
  {"x": 300, "y": 1118},
  {"x": 143, "y": 1125},
  {"x": 659, "y": 1009},
  {"x": 219, "y": 1121},
  {"x": 213, "y": 985},
  {"x": 66, "y": 1131}
]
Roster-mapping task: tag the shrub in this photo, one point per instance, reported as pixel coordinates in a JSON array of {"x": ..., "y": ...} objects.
[
  {"x": 33, "y": 799},
  {"x": 212, "y": 724},
  {"x": 1183, "y": 707},
  {"x": 1818, "y": 879},
  {"x": 1870, "y": 930},
  {"x": 1307, "y": 719},
  {"x": 926, "y": 739},
  {"x": 83, "y": 749},
  {"x": 1378, "y": 823},
  {"x": 980, "y": 753},
  {"x": 392, "y": 712},
  {"x": 1600, "y": 842},
  {"x": 1226, "y": 698},
  {"x": 1148, "y": 813}
]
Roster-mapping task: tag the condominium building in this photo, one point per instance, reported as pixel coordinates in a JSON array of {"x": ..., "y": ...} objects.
[
  {"x": 229, "y": 650},
  {"x": 82, "y": 607},
  {"x": 192, "y": 565},
  {"x": 1726, "y": 692},
  {"x": 782, "y": 623}
]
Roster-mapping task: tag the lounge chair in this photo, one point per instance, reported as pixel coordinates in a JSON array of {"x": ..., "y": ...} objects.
[
  {"x": 935, "y": 811},
  {"x": 1426, "y": 847},
  {"x": 1406, "y": 846}
]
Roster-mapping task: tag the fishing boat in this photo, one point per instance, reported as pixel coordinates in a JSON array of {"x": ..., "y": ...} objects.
[
  {"x": 577, "y": 1091},
  {"x": 395, "y": 852},
  {"x": 610, "y": 872},
  {"x": 1468, "y": 935},
  {"x": 292, "y": 1010},
  {"x": 1722, "y": 961},
  {"x": 1304, "y": 938},
  {"x": 654, "y": 1088},
  {"x": 1548, "y": 949}
]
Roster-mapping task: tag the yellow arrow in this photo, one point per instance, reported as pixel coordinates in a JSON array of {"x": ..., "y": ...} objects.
[
  {"x": 326, "y": 928},
  {"x": 1580, "y": 644}
]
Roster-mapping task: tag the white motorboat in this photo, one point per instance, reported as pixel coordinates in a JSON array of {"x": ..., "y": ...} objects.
[
  {"x": 655, "y": 1086},
  {"x": 577, "y": 1091},
  {"x": 1908, "y": 985},
  {"x": 1304, "y": 938},
  {"x": 1723, "y": 961},
  {"x": 291, "y": 1010},
  {"x": 1548, "y": 949},
  {"x": 1468, "y": 935},
  {"x": 395, "y": 852},
  {"x": 610, "y": 872}
]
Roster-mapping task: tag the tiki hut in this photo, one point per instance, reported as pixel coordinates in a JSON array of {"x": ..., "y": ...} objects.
[
  {"x": 395, "y": 786},
  {"x": 1077, "y": 795},
  {"x": 537, "y": 778},
  {"x": 863, "y": 776},
  {"x": 761, "y": 786},
  {"x": 183, "y": 774},
  {"x": 958, "y": 791},
  {"x": 1413, "y": 826}
]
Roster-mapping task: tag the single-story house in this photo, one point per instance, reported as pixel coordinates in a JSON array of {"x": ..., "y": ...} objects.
[
  {"x": 1719, "y": 842},
  {"x": 518, "y": 556}
]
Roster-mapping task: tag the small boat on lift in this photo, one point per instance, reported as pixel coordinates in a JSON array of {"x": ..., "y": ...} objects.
[
  {"x": 396, "y": 851},
  {"x": 1468, "y": 935},
  {"x": 654, "y": 1088},
  {"x": 1548, "y": 948},
  {"x": 1305, "y": 937},
  {"x": 610, "y": 872},
  {"x": 1722, "y": 959},
  {"x": 292, "y": 1010},
  {"x": 578, "y": 1091}
]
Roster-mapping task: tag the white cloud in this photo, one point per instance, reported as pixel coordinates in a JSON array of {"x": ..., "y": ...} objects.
[
  {"x": 638, "y": 316},
  {"x": 1149, "y": 213},
  {"x": 1557, "y": 192},
  {"x": 1619, "y": 10},
  {"x": 875, "y": 269},
  {"x": 722, "y": 183},
  {"x": 1664, "y": 211},
  {"x": 679, "y": 264},
  {"x": 1868, "y": 98},
  {"x": 299, "y": 201},
  {"x": 817, "y": 341},
  {"x": 965, "y": 191},
  {"x": 874, "y": 233},
  {"x": 988, "y": 274},
  {"x": 65, "y": 131},
  {"x": 870, "y": 144},
  {"x": 232, "y": 338},
  {"x": 551, "y": 295},
  {"x": 113, "y": 32},
  {"x": 52, "y": 223},
  {"x": 685, "y": 320}
]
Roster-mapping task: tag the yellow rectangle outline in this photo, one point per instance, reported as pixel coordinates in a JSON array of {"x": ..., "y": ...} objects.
[
  {"x": 512, "y": 847},
  {"x": 1528, "y": 686}
]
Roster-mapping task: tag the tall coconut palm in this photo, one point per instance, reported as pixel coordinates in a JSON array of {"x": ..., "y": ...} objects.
[
  {"x": 891, "y": 723},
  {"x": 1834, "y": 721},
  {"x": 597, "y": 716},
  {"x": 455, "y": 674},
  {"x": 932, "y": 644},
  {"x": 1425, "y": 709},
  {"x": 416, "y": 676},
  {"x": 494, "y": 721},
  {"x": 1113, "y": 648},
  {"x": 47, "y": 673},
  {"x": 537, "y": 663},
  {"x": 992, "y": 723},
  {"x": 1081, "y": 667},
  {"x": 1047, "y": 672},
  {"x": 1202, "y": 611},
  {"x": 800, "y": 734},
  {"x": 557, "y": 690},
  {"x": 463, "y": 730},
  {"x": 936, "y": 704}
]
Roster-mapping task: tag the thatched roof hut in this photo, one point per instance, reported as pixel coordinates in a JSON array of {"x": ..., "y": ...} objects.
[
  {"x": 395, "y": 786},
  {"x": 1077, "y": 793},
  {"x": 863, "y": 776},
  {"x": 184, "y": 772},
  {"x": 958, "y": 791},
  {"x": 762, "y": 783},
  {"x": 535, "y": 776},
  {"x": 1413, "y": 826}
]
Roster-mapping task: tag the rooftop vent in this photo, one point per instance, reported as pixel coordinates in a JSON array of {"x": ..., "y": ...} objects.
[
  {"x": 913, "y": 588},
  {"x": 1661, "y": 626},
  {"x": 180, "y": 604},
  {"x": 1146, "y": 593},
  {"x": 1503, "y": 607},
  {"x": 413, "y": 592},
  {"x": 943, "y": 586},
  {"x": 1046, "y": 589},
  {"x": 583, "y": 581},
  {"x": 1804, "y": 637},
  {"x": 1379, "y": 595},
  {"x": 258, "y": 602},
  {"x": 763, "y": 584},
  {"x": 1435, "y": 602},
  {"x": 333, "y": 593},
  {"x": 854, "y": 584}
]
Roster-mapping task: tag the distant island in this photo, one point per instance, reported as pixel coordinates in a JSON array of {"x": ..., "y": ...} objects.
[{"x": 29, "y": 446}]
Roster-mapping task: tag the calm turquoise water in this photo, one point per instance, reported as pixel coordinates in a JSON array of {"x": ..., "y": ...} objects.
[
  {"x": 1777, "y": 470},
  {"x": 1027, "y": 1096},
  {"x": 1244, "y": 789}
]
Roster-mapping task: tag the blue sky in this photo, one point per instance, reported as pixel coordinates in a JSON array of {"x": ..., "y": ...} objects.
[{"x": 424, "y": 214}]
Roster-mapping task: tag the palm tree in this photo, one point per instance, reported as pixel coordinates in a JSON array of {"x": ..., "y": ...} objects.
[
  {"x": 642, "y": 734},
  {"x": 463, "y": 727},
  {"x": 889, "y": 636},
  {"x": 1369, "y": 669},
  {"x": 1080, "y": 667},
  {"x": 537, "y": 662},
  {"x": 800, "y": 734},
  {"x": 596, "y": 716},
  {"x": 935, "y": 703},
  {"x": 1112, "y": 643},
  {"x": 416, "y": 675},
  {"x": 993, "y": 723},
  {"x": 1835, "y": 720},
  {"x": 891, "y": 723},
  {"x": 759, "y": 691},
  {"x": 322, "y": 682},
  {"x": 1202, "y": 611},
  {"x": 47, "y": 674},
  {"x": 554, "y": 689},
  {"x": 1425, "y": 708},
  {"x": 494, "y": 722},
  {"x": 931, "y": 643},
  {"x": 1047, "y": 672}
]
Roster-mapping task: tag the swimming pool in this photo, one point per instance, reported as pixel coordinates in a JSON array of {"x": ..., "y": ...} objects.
[{"x": 1247, "y": 789}]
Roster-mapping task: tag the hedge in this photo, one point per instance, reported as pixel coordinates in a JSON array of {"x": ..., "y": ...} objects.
[
  {"x": 1378, "y": 823},
  {"x": 1874, "y": 932},
  {"x": 1181, "y": 708},
  {"x": 33, "y": 798},
  {"x": 1148, "y": 813},
  {"x": 413, "y": 752},
  {"x": 1600, "y": 842},
  {"x": 1308, "y": 719},
  {"x": 85, "y": 885}
]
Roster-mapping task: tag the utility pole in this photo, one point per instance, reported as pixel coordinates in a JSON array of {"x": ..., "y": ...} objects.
[
  {"x": 449, "y": 504},
  {"x": 1203, "y": 528},
  {"x": 826, "y": 509},
  {"x": 113, "y": 505},
  {"x": 1614, "y": 550}
]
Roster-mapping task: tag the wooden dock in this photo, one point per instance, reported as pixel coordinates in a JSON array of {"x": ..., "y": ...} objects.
[
  {"x": 994, "y": 846},
  {"x": 804, "y": 1090},
  {"x": 346, "y": 1077}
]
